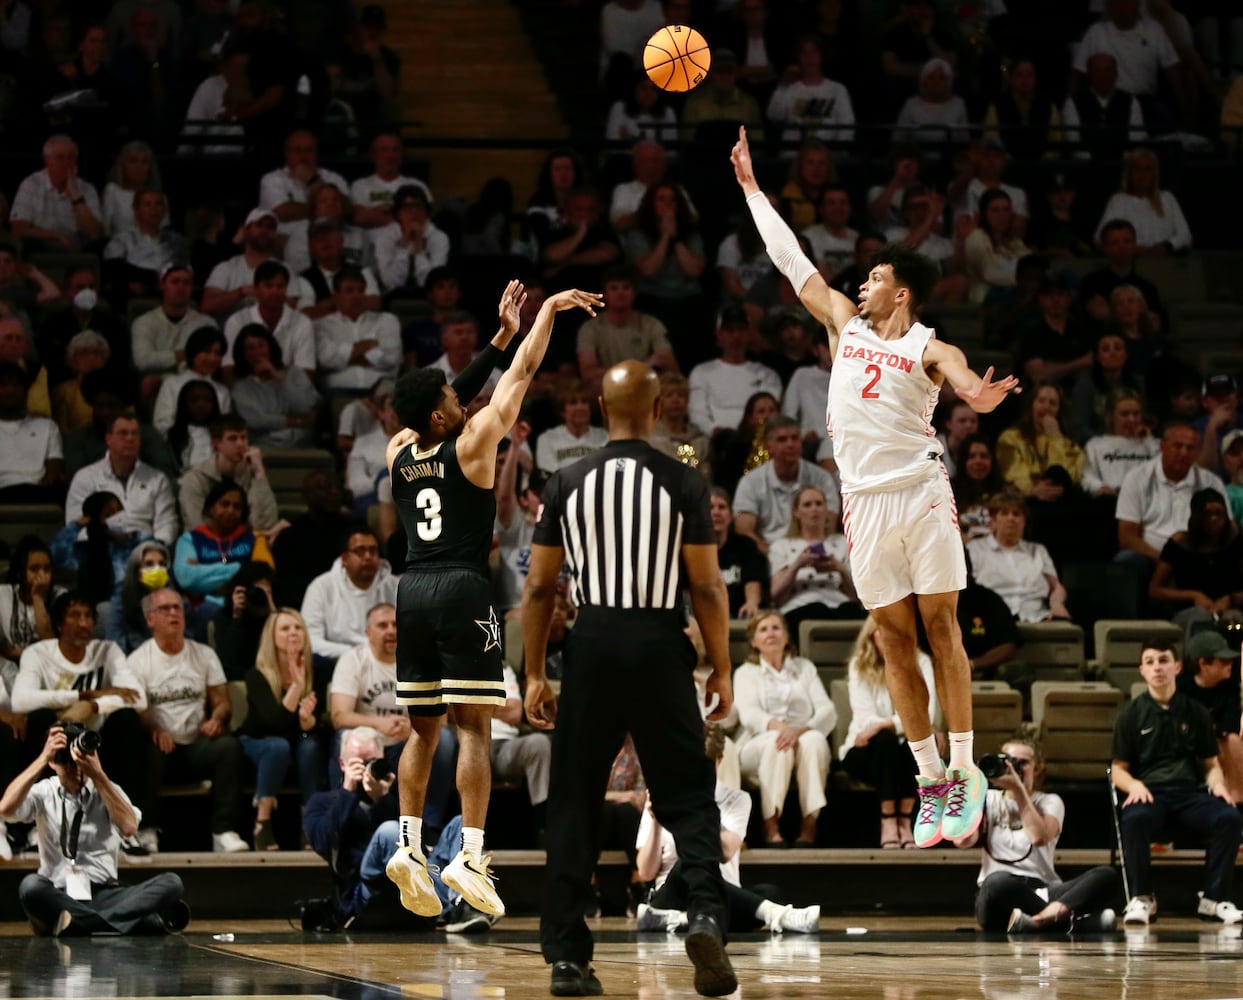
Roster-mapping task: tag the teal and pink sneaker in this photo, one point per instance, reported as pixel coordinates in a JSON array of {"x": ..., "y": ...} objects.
[
  {"x": 927, "y": 826},
  {"x": 964, "y": 802}
]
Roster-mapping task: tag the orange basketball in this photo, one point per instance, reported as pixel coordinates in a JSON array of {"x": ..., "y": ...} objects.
[{"x": 677, "y": 58}]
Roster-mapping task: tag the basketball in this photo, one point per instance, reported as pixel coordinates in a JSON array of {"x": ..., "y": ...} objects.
[{"x": 677, "y": 58}]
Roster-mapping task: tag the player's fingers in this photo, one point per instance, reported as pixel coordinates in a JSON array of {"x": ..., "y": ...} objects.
[{"x": 987, "y": 376}]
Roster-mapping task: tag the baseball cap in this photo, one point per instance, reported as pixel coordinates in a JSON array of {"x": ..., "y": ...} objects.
[
  {"x": 1219, "y": 385},
  {"x": 1229, "y": 438},
  {"x": 168, "y": 269},
  {"x": 1208, "y": 645},
  {"x": 259, "y": 213}
]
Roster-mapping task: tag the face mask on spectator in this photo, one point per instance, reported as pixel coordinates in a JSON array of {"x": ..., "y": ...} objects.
[
  {"x": 154, "y": 577},
  {"x": 86, "y": 299}
]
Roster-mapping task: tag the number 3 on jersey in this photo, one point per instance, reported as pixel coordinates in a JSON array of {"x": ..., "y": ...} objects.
[
  {"x": 428, "y": 501},
  {"x": 869, "y": 389}
]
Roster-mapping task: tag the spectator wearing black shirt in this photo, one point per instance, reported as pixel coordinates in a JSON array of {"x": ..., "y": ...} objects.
[
  {"x": 989, "y": 633},
  {"x": 311, "y": 543},
  {"x": 745, "y": 570},
  {"x": 365, "y": 71},
  {"x": 848, "y": 280},
  {"x": 1055, "y": 348},
  {"x": 1058, "y": 228},
  {"x": 1164, "y": 754},
  {"x": 1208, "y": 679},
  {"x": 1121, "y": 249}
]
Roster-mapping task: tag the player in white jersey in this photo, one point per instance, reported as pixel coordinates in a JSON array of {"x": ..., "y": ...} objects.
[{"x": 897, "y": 508}]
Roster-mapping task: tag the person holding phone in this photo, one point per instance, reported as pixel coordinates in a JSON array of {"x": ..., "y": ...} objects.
[{"x": 810, "y": 571}]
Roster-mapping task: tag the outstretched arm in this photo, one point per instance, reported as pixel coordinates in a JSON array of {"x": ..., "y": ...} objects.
[
  {"x": 477, "y": 446},
  {"x": 830, "y": 307},
  {"x": 980, "y": 393}
]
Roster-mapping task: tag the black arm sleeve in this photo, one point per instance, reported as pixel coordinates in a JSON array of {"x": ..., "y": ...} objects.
[{"x": 475, "y": 377}]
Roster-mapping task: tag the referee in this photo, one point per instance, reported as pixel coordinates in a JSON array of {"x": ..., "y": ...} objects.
[{"x": 625, "y": 519}]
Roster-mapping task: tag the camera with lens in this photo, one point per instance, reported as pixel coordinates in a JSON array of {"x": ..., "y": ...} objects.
[
  {"x": 993, "y": 765},
  {"x": 379, "y": 768},
  {"x": 86, "y": 741}
]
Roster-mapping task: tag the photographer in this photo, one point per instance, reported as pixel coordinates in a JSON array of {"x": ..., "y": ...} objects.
[
  {"x": 239, "y": 628},
  {"x": 1019, "y": 890},
  {"x": 354, "y": 828},
  {"x": 80, "y": 816}
]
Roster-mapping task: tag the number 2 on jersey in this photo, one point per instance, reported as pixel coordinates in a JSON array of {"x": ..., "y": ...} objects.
[
  {"x": 868, "y": 390},
  {"x": 428, "y": 501}
]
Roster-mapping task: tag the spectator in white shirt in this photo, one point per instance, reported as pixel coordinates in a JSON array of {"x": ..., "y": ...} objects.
[
  {"x": 354, "y": 347},
  {"x": 204, "y": 351},
  {"x": 1139, "y": 44},
  {"x": 720, "y": 388},
  {"x": 135, "y": 169},
  {"x": 366, "y": 465},
  {"x": 286, "y": 192},
  {"x": 625, "y": 27},
  {"x": 336, "y": 603},
  {"x": 459, "y": 334},
  {"x": 291, "y": 329},
  {"x": 832, "y": 240},
  {"x": 1126, "y": 444},
  {"x": 328, "y": 205},
  {"x": 812, "y": 106},
  {"x": 363, "y": 691},
  {"x": 411, "y": 245},
  {"x": 984, "y": 164},
  {"x": 231, "y": 284},
  {"x": 1020, "y": 572},
  {"x": 208, "y": 115},
  {"x": 807, "y": 391},
  {"x": 574, "y": 437},
  {"x": 648, "y": 164},
  {"x": 936, "y": 114},
  {"x": 373, "y": 195},
  {"x": 1160, "y": 226},
  {"x": 145, "y": 492},
  {"x": 32, "y": 462},
  {"x": 159, "y": 336},
  {"x": 136, "y": 256},
  {"x": 643, "y": 114},
  {"x": 53, "y": 207}
]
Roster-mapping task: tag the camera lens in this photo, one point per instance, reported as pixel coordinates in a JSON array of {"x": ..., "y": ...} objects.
[
  {"x": 379, "y": 768},
  {"x": 88, "y": 741},
  {"x": 993, "y": 765}
]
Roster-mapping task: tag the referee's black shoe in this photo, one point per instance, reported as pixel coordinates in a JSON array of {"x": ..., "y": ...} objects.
[
  {"x": 714, "y": 975},
  {"x": 570, "y": 979}
]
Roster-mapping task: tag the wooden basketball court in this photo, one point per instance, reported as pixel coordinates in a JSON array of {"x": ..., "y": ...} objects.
[{"x": 880, "y": 958}]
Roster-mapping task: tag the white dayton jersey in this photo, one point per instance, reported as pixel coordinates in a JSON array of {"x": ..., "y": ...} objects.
[{"x": 880, "y": 409}]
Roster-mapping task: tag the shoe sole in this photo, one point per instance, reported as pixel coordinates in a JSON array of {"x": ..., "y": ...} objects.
[
  {"x": 714, "y": 975},
  {"x": 484, "y": 904},
  {"x": 577, "y": 988},
  {"x": 414, "y": 897}
]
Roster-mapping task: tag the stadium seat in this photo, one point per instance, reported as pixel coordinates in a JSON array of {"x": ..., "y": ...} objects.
[
  {"x": 828, "y": 644},
  {"x": 1076, "y": 720},
  {"x": 1181, "y": 279},
  {"x": 1118, "y": 643},
  {"x": 739, "y": 648},
  {"x": 18, "y": 519},
  {"x": 996, "y": 714},
  {"x": 286, "y": 468},
  {"x": 1054, "y": 649}
]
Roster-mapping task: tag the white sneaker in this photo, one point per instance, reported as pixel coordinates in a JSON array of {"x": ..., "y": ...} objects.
[
  {"x": 801, "y": 920},
  {"x": 1223, "y": 911},
  {"x": 1140, "y": 910},
  {"x": 228, "y": 843},
  {"x": 650, "y": 918},
  {"x": 408, "y": 870},
  {"x": 472, "y": 877}
]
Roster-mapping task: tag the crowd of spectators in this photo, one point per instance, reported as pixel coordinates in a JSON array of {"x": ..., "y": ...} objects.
[{"x": 155, "y": 343}]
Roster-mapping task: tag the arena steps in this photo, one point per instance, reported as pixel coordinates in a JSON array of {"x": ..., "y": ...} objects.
[{"x": 486, "y": 82}]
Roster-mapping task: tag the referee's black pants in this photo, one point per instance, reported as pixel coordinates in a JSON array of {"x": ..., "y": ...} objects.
[{"x": 626, "y": 671}]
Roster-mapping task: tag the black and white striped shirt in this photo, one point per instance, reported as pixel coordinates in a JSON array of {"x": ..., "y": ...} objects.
[{"x": 622, "y": 516}]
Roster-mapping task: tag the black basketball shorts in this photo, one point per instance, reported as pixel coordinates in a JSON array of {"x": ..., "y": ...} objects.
[{"x": 448, "y": 641}]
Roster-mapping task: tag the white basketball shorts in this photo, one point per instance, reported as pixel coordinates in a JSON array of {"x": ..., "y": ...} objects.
[{"x": 904, "y": 541}]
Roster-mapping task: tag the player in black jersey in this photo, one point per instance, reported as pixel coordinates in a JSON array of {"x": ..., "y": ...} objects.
[{"x": 448, "y": 636}]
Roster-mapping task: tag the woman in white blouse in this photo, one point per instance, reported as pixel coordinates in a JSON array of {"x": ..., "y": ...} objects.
[
  {"x": 810, "y": 575},
  {"x": 875, "y": 749},
  {"x": 1160, "y": 226},
  {"x": 992, "y": 250},
  {"x": 786, "y": 720}
]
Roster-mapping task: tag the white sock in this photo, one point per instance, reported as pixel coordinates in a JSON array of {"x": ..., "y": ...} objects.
[
  {"x": 472, "y": 841},
  {"x": 928, "y": 757},
  {"x": 767, "y": 912},
  {"x": 410, "y": 833},
  {"x": 962, "y": 749}
]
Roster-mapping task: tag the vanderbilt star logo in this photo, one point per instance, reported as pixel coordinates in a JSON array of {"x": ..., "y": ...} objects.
[{"x": 492, "y": 629}]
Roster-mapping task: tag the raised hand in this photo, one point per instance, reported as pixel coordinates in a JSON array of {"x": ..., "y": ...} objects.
[
  {"x": 572, "y": 298},
  {"x": 510, "y": 308},
  {"x": 991, "y": 393},
  {"x": 740, "y": 156}
]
